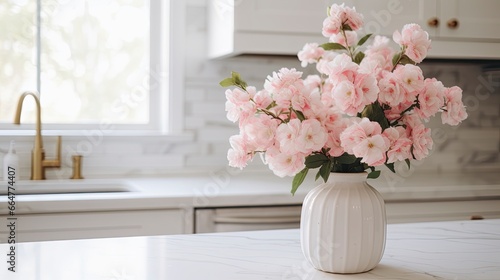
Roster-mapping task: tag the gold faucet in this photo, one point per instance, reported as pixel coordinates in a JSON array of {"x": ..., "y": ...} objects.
[{"x": 38, "y": 161}]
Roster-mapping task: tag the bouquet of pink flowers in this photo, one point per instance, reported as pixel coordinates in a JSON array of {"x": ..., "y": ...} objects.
[{"x": 364, "y": 109}]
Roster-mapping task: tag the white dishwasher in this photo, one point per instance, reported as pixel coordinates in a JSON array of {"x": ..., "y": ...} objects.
[{"x": 246, "y": 218}]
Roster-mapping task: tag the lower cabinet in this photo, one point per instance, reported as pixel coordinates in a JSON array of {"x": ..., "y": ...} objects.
[
  {"x": 281, "y": 217},
  {"x": 246, "y": 218},
  {"x": 433, "y": 211},
  {"x": 63, "y": 226}
]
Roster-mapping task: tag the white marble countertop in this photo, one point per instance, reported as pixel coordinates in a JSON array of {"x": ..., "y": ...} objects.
[
  {"x": 226, "y": 189},
  {"x": 456, "y": 250}
]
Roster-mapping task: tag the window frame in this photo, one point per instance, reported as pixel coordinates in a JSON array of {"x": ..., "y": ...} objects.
[{"x": 167, "y": 62}]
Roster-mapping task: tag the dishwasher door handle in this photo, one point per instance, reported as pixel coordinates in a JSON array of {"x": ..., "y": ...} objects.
[{"x": 256, "y": 220}]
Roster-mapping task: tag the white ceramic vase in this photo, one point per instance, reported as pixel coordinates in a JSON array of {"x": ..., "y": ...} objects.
[{"x": 343, "y": 225}]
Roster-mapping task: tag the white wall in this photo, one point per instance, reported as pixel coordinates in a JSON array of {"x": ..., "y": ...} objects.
[{"x": 473, "y": 145}]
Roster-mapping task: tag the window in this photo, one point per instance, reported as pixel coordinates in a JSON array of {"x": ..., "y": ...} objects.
[{"x": 92, "y": 61}]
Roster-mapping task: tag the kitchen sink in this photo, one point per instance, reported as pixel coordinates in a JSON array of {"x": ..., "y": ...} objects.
[{"x": 65, "y": 187}]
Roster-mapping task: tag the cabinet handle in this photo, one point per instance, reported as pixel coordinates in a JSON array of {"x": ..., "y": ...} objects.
[
  {"x": 453, "y": 23},
  {"x": 256, "y": 220},
  {"x": 433, "y": 22},
  {"x": 476, "y": 217}
]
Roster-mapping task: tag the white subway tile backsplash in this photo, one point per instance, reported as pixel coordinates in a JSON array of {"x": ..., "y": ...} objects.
[
  {"x": 194, "y": 94},
  {"x": 203, "y": 109},
  {"x": 216, "y": 134},
  {"x": 193, "y": 123}
]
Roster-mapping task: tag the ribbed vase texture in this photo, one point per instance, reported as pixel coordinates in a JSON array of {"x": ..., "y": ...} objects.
[{"x": 343, "y": 225}]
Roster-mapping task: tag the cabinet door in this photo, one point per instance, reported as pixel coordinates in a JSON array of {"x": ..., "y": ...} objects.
[
  {"x": 63, "y": 226},
  {"x": 299, "y": 16},
  {"x": 413, "y": 212},
  {"x": 280, "y": 16},
  {"x": 475, "y": 19},
  {"x": 383, "y": 17}
]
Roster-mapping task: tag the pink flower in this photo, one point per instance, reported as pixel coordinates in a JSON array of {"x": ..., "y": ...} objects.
[
  {"x": 312, "y": 81},
  {"x": 239, "y": 154},
  {"x": 454, "y": 111},
  {"x": 372, "y": 150},
  {"x": 237, "y": 96},
  {"x": 352, "y": 136},
  {"x": 341, "y": 68},
  {"x": 364, "y": 139},
  {"x": 394, "y": 113},
  {"x": 352, "y": 38},
  {"x": 262, "y": 99},
  {"x": 312, "y": 136},
  {"x": 331, "y": 26},
  {"x": 339, "y": 15},
  {"x": 367, "y": 85},
  {"x": 431, "y": 99},
  {"x": 287, "y": 135},
  {"x": 390, "y": 92},
  {"x": 284, "y": 85},
  {"x": 411, "y": 79},
  {"x": 347, "y": 98},
  {"x": 400, "y": 144},
  {"x": 351, "y": 98},
  {"x": 327, "y": 57},
  {"x": 357, "y": 131},
  {"x": 310, "y": 53},
  {"x": 238, "y": 105},
  {"x": 371, "y": 65},
  {"x": 381, "y": 46},
  {"x": 283, "y": 164},
  {"x": 335, "y": 129},
  {"x": 381, "y": 52},
  {"x": 422, "y": 141},
  {"x": 414, "y": 40},
  {"x": 411, "y": 121},
  {"x": 259, "y": 131}
]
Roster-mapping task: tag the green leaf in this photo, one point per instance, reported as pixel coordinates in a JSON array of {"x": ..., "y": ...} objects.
[
  {"x": 227, "y": 82},
  {"x": 364, "y": 39},
  {"x": 332, "y": 46},
  {"x": 299, "y": 114},
  {"x": 328, "y": 10},
  {"x": 391, "y": 167},
  {"x": 346, "y": 27},
  {"x": 316, "y": 160},
  {"x": 317, "y": 175},
  {"x": 346, "y": 158},
  {"x": 407, "y": 163},
  {"x": 395, "y": 59},
  {"x": 359, "y": 57},
  {"x": 375, "y": 113},
  {"x": 325, "y": 170},
  {"x": 406, "y": 60},
  {"x": 298, "y": 179},
  {"x": 271, "y": 105},
  {"x": 374, "y": 174},
  {"x": 238, "y": 81}
]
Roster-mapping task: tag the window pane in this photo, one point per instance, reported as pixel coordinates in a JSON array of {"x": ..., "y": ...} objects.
[
  {"x": 95, "y": 61},
  {"x": 17, "y": 54}
]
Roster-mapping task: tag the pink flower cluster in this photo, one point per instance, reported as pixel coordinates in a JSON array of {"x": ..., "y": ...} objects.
[
  {"x": 333, "y": 113},
  {"x": 340, "y": 15}
]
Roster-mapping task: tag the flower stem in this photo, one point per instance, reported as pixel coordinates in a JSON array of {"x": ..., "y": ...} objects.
[{"x": 351, "y": 54}]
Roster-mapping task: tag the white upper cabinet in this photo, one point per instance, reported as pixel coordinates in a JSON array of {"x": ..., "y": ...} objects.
[
  {"x": 469, "y": 19},
  {"x": 383, "y": 17},
  {"x": 458, "y": 28},
  {"x": 263, "y": 26}
]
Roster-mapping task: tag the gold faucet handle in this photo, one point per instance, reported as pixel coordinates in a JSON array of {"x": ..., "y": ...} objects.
[
  {"x": 77, "y": 167},
  {"x": 57, "y": 161}
]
